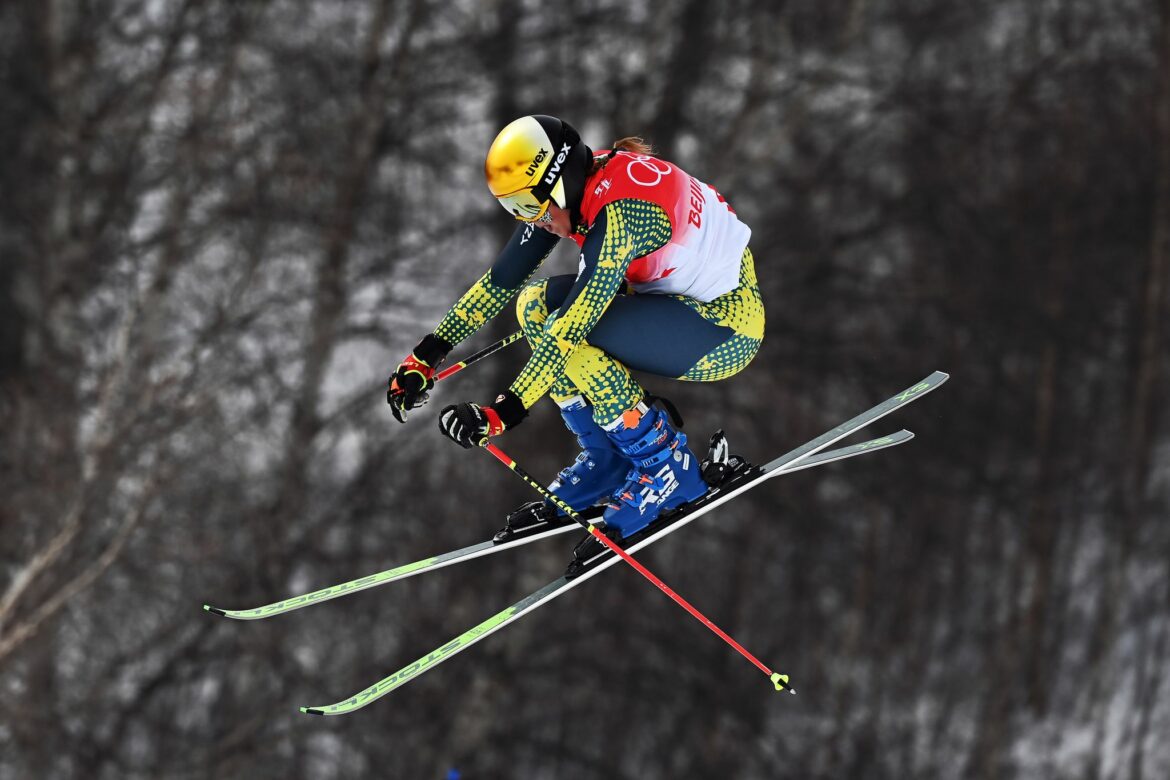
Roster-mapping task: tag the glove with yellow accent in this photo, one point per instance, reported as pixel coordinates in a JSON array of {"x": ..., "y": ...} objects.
[
  {"x": 411, "y": 383},
  {"x": 467, "y": 423}
]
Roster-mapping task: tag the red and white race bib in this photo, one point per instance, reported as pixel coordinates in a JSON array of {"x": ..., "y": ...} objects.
[{"x": 707, "y": 240}]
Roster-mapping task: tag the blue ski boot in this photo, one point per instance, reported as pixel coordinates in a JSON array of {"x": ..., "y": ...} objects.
[
  {"x": 600, "y": 467},
  {"x": 599, "y": 470},
  {"x": 715, "y": 470},
  {"x": 666, "y": 473}
]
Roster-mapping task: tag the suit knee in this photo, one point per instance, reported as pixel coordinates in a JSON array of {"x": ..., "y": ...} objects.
[{"x": 531, "y": 309}]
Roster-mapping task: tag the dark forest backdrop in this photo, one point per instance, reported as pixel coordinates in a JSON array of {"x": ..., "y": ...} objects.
[{"x": 222, "y": 224}]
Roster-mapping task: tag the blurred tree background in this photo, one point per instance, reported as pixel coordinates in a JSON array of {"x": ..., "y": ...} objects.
[{"x": 222, "y": 224}]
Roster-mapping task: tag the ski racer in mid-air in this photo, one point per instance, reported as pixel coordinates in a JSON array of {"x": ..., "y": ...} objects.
[{"x": 666, "y": 284}]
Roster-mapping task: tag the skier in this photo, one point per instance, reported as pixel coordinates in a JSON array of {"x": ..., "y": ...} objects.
[{"x": 666, "y": 285}]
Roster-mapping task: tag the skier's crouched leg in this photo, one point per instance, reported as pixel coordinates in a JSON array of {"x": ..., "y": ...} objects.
[
  {"x": 532, "y": 309},
  {"x": 741, "y": 310},
  {"x": 600, "y": 468},
  {"x": 605, "y": 381},
  {"x": 537, "y": 300}
]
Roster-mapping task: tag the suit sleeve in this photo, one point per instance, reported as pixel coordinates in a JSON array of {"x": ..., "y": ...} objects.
[
  {"x": 622, "y": 232},
  {"x": 518, "y": 261}
]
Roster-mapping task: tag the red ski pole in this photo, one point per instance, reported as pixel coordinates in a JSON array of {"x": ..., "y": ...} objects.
[
  {"x": 489, "y": 350},
  {"x": 779, "y": 680},
  {"x": 455, "y": 368}
]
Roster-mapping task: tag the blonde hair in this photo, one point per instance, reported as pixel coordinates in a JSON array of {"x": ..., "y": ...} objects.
[{"x": 631, "y": 143}]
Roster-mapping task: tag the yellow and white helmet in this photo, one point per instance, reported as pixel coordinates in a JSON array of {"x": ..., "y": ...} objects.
[{"x": 534, "y": 160}]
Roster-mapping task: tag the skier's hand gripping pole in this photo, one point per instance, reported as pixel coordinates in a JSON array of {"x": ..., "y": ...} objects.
[
  {"x": 412, "y": 381},
  {"x": 779, "y": 680}
]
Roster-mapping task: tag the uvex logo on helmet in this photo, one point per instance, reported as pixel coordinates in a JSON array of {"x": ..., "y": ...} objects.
[
  {"x": 534, "y": 161},
  {"x": 532, "y": 166},
  {"x": 555, "y": 168}
]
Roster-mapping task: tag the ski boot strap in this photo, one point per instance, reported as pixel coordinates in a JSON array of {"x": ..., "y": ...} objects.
[
  {"x": 655, "y": 435},
  {"x": 650, "y": 399},
  {"x": 662, "y": 455},
  {"x": 657, "y": 484},
  {"x": 567, "y": 471}
]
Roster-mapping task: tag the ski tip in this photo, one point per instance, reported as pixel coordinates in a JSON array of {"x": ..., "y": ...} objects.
[
  {"x": 214, "y": 610},
  {"x": 311, "y": 711}
]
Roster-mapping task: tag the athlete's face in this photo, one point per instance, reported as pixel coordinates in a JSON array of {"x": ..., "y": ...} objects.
[{"x": 559, "y": 223}]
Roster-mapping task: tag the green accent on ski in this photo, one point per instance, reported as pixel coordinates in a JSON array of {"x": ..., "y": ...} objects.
[
  {"x": 912, "y": 391},
  {"x": 407, "y": 673},
  {"x": 409, "y": 567},
  {"x": 325, "y": 593}
]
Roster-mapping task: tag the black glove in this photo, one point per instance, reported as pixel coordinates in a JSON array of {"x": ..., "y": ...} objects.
[
  {"x": 467, "y": 423},
  {"x": 410, "y": 385}
]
